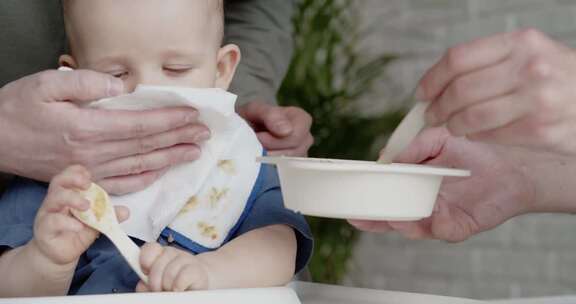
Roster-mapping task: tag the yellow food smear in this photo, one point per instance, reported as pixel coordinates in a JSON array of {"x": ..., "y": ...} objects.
[
  {"x": 216, "y": 196},
  {"x": 81, "y": 215},
  {"x": 227, "y": 166},
  {"x": 99, "y": 205},
  {"x": 207, "y": 231},
  {"x": 191, "y": 204}
]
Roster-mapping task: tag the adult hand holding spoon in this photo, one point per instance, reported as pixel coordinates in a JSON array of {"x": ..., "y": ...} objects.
[
  {"x": 101, "y": 216},
  {"x": 511, "y": 89}
]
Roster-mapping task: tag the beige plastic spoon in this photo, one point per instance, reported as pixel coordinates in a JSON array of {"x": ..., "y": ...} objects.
[
  {"x": 102, "y": 217},
  {"x": 405, "y": 133}
]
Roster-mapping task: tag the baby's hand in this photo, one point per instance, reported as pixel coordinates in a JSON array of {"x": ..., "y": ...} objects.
[
  {"x": 171, "y": 269},
  {"x": 58, "y": 235}
]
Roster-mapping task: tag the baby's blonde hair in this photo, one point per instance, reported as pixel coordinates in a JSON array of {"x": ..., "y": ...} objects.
[{"x": 218, "y": 6}]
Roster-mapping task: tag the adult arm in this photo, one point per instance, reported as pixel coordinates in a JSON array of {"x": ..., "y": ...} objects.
[{"x": 263, "y": 30}]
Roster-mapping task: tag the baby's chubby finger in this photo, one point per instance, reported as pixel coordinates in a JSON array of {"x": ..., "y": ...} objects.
[
  {"x": 74, "y": 177},
  {"x": 192, "y": 277},
  {"x": 156, "y": 275},
  {"x": 142, "y": 287},
  {"x": 60, "y": 223},
  {"x": 171, "y": 272},
  {"x": 149, "y": 254},
  {"x": 60, "y": 199},
  {"x": 122, "y": 213}
]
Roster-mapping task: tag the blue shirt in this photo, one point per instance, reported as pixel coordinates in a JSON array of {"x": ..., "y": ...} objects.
[{"x": 101, "y": 269}]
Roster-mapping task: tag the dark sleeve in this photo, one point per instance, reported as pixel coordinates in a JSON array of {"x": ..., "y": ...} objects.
[
  {"x": 263, "y": 31},
  {"x": 18, "y": 207},
  {"x": 32, "y": 37},
  {"x": 269, "y": 210}
]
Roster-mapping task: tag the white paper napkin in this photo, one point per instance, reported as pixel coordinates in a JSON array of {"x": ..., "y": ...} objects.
[{"x": 154, "y": 208}]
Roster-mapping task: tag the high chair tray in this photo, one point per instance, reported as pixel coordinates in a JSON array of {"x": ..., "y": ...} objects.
[
  {"x": 296, "y": 293},
  {"x": 312, "y": 293},
  {"x": 281, "y": 295}
]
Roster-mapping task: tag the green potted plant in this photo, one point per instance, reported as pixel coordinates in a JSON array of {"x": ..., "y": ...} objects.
[{"x": 328, "y": 76}]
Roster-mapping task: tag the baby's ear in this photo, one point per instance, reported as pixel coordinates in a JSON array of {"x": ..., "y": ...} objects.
[
  {"x": 67, "y": 61},
  {"x": 228, "y": 59}
]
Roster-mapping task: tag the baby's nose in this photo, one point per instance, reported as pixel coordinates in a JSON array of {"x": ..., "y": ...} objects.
[
  {"x": 130, "y": 85},
  {"x": 155, "y": 78},
  {"x": 150, "y": 78}
]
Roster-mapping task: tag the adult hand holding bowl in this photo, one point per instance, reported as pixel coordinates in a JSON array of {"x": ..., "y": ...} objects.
[
  {"x": 359, "y": 189},
  {"x": 500, "y": 187},
  {"x": 354, "y": 189}
]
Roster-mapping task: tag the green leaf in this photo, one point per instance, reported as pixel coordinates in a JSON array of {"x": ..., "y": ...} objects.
[{"x": 327, "y": 77}]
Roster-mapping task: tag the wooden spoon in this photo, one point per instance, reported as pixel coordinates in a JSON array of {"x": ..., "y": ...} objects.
[
  {"x": 102, "y": 217},
  {"x": 408, "y": 129}
]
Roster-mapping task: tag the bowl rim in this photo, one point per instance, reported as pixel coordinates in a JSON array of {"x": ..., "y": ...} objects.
[{"x": 325, "y": 164}]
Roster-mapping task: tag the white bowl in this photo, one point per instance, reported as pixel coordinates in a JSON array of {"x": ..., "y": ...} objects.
[{"x": 359, "y": 190}]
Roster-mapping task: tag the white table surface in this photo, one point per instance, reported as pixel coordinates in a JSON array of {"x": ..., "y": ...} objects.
[
  {"x": 307, "y": 293},
  {"x": 310, "y": 293},
  {"x": 547, "y": 300}
]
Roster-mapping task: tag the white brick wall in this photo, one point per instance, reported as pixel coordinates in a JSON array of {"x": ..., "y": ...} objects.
[
  {"x": 421, "y": 30},
  {"x": 529, "y": 256}
]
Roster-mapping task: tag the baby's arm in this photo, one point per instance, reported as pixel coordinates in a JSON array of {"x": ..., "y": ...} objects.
[
  {"x": 260, "y": 258},
  {"x": 45, "y": 265},
  {"x": 28, "y": 273}
]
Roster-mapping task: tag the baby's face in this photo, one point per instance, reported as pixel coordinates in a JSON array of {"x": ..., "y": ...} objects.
[{"x": 154, "y": 42}]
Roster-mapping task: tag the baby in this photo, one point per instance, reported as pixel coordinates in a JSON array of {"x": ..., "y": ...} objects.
[{"x": 45, "y": 251}]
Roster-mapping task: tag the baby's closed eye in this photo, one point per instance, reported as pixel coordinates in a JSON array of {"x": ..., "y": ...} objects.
[
  {"x": 177, "y": 69},
  {"x": 118, "y": 73}
]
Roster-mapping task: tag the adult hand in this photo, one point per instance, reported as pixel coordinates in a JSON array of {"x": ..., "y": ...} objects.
[
  {"x": 281, "y": 130},
  {"x": 514, "y": 88},
  {"x": 43, "y": 130},
  {"x": 498, "y": 189}
]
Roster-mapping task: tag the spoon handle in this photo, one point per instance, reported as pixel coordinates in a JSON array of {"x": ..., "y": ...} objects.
[
  {"x": 129, "y": 250},
  {"x": 408, "y": 129}
]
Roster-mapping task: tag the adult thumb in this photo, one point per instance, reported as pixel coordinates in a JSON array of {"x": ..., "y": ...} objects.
[
  {"x": 78, "y": 86},
  {"x": 427, "y": 145},
  {"x": 274, "y": 118}
]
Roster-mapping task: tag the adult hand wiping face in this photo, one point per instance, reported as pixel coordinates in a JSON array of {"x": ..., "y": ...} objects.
[
  {"x": 513, "y": 89},
  {"x": 44, "y": 130}
]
